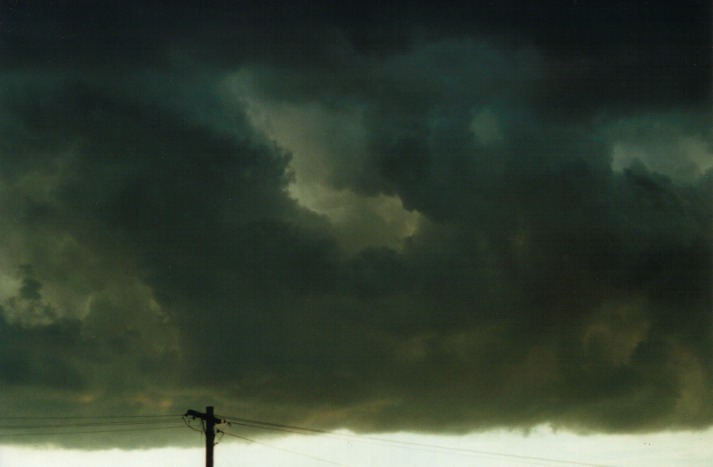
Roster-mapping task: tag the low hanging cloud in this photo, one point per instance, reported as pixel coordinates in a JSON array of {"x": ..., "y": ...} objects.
[{"x": 302, "y": 218}]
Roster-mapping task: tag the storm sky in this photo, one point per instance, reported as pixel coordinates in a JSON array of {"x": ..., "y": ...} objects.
[{"x": 379, "y": 216}]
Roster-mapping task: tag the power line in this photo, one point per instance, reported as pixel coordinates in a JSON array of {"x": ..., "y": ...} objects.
[
  {"x": 110, "y": 425},
  {"x": 429, "y": 448},
  {"x": 189, "y": 425},
  {"x": 125, "y": 423},
  {"x": 87, "y": 424},
  {"x": 281, "y": 449},
  {"x": 48, "y": 417},
  {"x": 53, "y": 433},
  {"x": 264, "y": 424},
  {"x": 300, "y": 430}
]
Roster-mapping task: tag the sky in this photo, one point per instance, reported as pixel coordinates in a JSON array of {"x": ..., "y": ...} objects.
[{"x": 449, "y": 220}]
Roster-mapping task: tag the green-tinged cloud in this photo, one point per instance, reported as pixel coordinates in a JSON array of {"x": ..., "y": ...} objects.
[{"x": 488, "y": 243}]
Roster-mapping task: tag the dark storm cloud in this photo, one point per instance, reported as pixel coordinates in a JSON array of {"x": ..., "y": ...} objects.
[{"x": 558, "y": 158}]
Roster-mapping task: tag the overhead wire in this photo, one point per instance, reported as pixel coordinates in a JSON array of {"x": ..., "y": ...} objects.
[
  {"x": 184, "y": 418},
  {"x": 76, "y": 432},
  {"x": 92, "y": 417},
  {"x": 124, "y": 423},
  {"x": 98, "y": 424},
  {"x": 87, "y": 424},
  {"x": 301, "y": 430},
  {"x": 282, "y": 449}
]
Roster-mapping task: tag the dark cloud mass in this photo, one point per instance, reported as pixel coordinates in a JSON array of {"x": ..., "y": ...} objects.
[{"x": 203, "y": 205}]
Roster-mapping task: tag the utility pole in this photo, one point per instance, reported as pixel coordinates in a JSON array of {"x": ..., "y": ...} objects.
[{"x": 209, "y": 430}]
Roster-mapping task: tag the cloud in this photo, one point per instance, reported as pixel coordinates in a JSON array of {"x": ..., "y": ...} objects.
[
  {"x": 675, "y": 146},
  {"x": 304, "y": 218}
]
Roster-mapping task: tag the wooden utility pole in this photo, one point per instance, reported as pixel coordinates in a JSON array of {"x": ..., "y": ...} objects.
[{"x": 209, "y": 430}]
